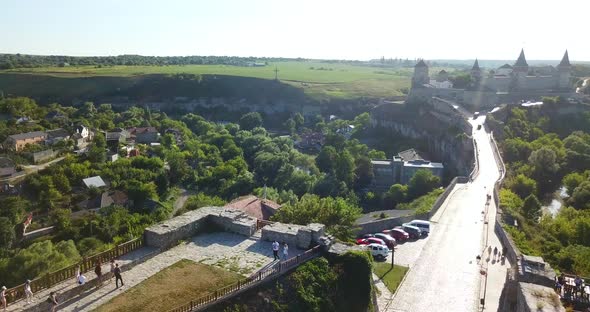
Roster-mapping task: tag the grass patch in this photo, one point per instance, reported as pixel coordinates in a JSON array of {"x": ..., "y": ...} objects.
[
  {"x": 391, "y": 278},
  {"x": 173, "y": 286},
  {"x": 423, "y": 203}
]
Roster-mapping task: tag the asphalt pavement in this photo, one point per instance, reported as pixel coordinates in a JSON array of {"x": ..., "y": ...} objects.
[{"x": 446, "y": 275}]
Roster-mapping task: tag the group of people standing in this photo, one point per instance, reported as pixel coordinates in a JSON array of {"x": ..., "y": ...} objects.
[
  {"x": 275, "y": 250},
  {"x": 80, "y": 280}
]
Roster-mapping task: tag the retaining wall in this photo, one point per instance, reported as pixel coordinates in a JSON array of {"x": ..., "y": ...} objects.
[
  {"x": 389, "y": 223},
  {"x": 302, "y": 236}
]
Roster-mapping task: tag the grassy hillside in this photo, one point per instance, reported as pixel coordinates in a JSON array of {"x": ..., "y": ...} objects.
[{"x": 318, "y": 80}]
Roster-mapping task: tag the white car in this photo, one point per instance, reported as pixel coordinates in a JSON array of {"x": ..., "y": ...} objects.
[
  {"x": 424, "y": 226},
  {"x": 378, "y": 251}
]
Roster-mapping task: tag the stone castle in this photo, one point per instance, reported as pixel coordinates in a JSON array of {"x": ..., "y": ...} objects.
[{"x": 507, "y": 84}]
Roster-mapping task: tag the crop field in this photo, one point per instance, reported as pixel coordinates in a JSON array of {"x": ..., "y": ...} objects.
[{"x": 319, "y": 80}]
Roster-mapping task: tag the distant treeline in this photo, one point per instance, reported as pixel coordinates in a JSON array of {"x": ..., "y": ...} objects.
[{"x": 10, "y": 61}]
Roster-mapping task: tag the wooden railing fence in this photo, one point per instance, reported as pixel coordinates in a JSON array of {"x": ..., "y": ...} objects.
[
  {"x": 87, "y": 264},
  {"x": 272, "y": 271}
]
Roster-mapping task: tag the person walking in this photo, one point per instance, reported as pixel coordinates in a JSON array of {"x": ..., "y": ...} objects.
[
  {"x": 28, "y": 292},
  {"x": 118, "y": 276},
  {"x": 495, "y": 252},
  {"x": 81, "y": 279},
  {"x": 275, "y": 249},
  {"x": 3, "y": 298},
  {"x": 53, "y": 301},
  {"x": 98, "y": 272},
  {"x": 113, "y": 267},
  {"x": 285, "y": 251}
]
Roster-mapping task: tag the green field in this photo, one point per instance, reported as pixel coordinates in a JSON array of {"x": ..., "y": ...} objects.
[
  {"x": 176, "y": 285},
  {"x": 319, "y": 80},
  {"x": 390, "y": 277}
]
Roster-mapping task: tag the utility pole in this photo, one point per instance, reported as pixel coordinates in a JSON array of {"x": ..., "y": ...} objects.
[
  {"x": 276, "y": 73},
  {"x": 392, "y": 256}
]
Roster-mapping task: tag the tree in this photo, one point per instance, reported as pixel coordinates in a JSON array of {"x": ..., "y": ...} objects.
[
  {"x": 325, "y": 161},
  {"x": 423, "y": 182},
  {"x": 396, "y": 194},
  {"x": 522, "y": 185},
  {"x": 510, "y": 201},
  {"x": 363, "y": 120},
  {"x": 290, "y": 125},
  {"x": 250, "y": 121},
  {"x": 531, "y": 208},
  {"x": 581, "y": 196},
  {"x": 14, "y": 208},
  {"x": 299, "y": 120},
  {"x": 314, "y": 285},
  {"x": 97, "y": 152},
  {"x": 573, "y": 180},
  {"x": 363, "y": 172},
  {"x": 344, "y": 167},
  {"x": 7, "y": 235}
]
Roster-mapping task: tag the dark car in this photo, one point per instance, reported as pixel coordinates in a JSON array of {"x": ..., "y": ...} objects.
[
  {"x": 413, "y": 231},
  {"x": 399, "y": 234},
  {"x": 388, "y": 239}
]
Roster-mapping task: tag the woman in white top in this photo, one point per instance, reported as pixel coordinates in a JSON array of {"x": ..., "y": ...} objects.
[
  {"x": 28, "y": 292},
  {"x": 3, "y": 297},
  {"x": 285, "y": 252}
]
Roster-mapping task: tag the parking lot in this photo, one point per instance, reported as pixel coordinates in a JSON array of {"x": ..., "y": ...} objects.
[{"x": 408, "y": 252}]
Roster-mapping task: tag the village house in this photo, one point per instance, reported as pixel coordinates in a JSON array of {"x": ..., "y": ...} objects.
[
  {"x": 105, "y": 199},
  {"x": 57, "y": 135},
  {"x": 117, "y": 135},
  {"x": 7, "y": 167},
  {"x": 255, "y": 207},
  {"x": 346, "y": 131},
  {"x": 401, "y": 168},
  {"x": 18, "y": 142},
  {"x": 144, "y": 135},
  {"x": 95, "y": 181},
  {"x": 313, "y": 141}
]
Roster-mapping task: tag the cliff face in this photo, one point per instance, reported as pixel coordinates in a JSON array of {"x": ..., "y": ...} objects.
[{"x": 445, "y": 141}]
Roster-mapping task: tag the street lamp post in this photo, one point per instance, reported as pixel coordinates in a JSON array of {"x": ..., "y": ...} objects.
[{"x": 392, "y": 256}]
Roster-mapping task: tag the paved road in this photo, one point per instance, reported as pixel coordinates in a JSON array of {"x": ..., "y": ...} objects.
[
  {"x": 33, "y": 169},
  {"x": 446, "y": 276}
]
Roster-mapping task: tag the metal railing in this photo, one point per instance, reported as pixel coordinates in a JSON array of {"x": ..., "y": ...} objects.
[
  {"x": 51, "y": 279},
  {"x": 224, "y": 292}
]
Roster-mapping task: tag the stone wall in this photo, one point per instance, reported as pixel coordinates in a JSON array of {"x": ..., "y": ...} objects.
[
  {"x": 389, "y": 223},
  {"x": 302, "y": 236},
  {"x": 169, "y": 232},
  {"x": 533, "y": 298}
]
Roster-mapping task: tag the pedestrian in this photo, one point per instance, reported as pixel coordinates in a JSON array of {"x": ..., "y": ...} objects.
[
  {"x": 28, "y": 292},
  {"x": 495, "y": 251},
  {"x": 81, "y": 279},
  {"x": 113, "y": 267},
  {"x": 98, "y": 272},
  {"x": 118, "y": 276},
  {"x": 3, "y": 297},
  {"x": 52, "y": 300},
  {"x": 275, "y": 249},
  {"x": 489, "y": 251},
  {"x": 285, "y": 251}
]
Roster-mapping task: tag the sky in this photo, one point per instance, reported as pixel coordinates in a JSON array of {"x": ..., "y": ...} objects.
[{"x": 325, "y": 29}]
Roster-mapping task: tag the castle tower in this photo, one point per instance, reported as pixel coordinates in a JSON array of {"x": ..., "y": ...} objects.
[
  {"x": 420, "y": 75},
  {"x": 564, "y": 70},
  {"x": 442, "y": 76},
  {"x": 475, "y": 72},
  {"x": 520, "y": 71}
]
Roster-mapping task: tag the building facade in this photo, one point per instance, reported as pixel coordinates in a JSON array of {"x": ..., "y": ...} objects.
[
  {"x": 507, "y": 84},
  {"x": 18, "y": 142},
  {"x": 400, "y": 170}
]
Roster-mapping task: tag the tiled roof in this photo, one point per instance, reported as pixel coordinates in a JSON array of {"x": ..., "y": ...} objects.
[
  {"x": 255, "y": 207},
  {"x": 410, "y": 154},
  {"x": 565, "y": 61},
  {"x": 28, "y": 135}
]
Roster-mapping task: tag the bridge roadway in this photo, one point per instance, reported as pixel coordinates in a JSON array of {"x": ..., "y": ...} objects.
[{"x": 446, "y": 276}]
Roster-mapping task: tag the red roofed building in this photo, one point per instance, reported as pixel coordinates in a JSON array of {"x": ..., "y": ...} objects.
[{"x": 255, "y": 207}]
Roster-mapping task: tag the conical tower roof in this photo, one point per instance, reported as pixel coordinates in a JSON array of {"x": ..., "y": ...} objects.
[
  {"x": 521, "y": 61},
  {"x": 565, "y": 61},
  {"x": 421, "y": 64},
  {"x": 475, "y": 65}
]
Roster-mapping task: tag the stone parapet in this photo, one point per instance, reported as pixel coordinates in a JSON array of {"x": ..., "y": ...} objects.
[
  {"x": 169, "y": 232},
  {"x": 302, "y": 236}
]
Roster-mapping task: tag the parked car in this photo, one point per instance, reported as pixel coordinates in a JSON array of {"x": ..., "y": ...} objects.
[
  {"x": 378, "y": 251},
  {"x": 388, "y": 239},
  {"x": 370, "y": 240},
  {"x": 413, "y": 231},
  {"x": 399, "y": 234},
  {"x": 424, "y": 226},
  {"x": 366, "y": 236}
]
